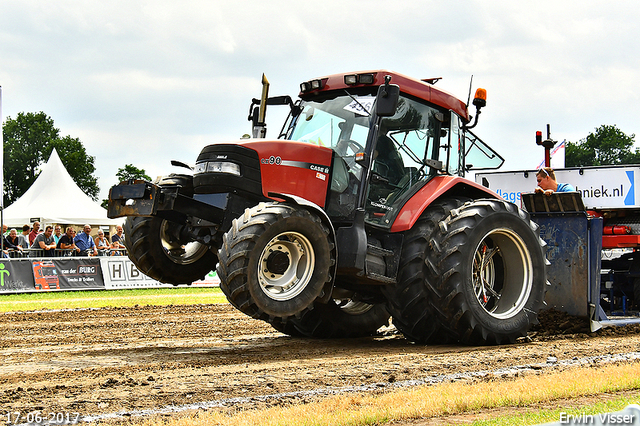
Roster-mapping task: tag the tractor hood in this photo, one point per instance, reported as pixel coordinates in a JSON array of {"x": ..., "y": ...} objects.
[{"x": 263, "y": 167}]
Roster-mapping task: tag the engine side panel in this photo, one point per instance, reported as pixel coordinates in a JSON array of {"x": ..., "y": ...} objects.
[{"x": 294, "y": 168}]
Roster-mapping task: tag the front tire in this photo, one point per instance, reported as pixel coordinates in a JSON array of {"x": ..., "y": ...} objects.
[
  {"x": 275, "y": 261},
  {"x": 152, "y": 247}
]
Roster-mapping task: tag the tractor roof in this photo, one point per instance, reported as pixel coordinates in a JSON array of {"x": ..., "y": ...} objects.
[{"x": 421, "y": 89}]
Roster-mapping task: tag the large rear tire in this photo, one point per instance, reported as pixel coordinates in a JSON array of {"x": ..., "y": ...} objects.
[
  {"x": 487, "y": 272},
  {"x": 153, "y": 248},
  {"x": 275, "y": 261},
  {"x": 409, "y": 300}
]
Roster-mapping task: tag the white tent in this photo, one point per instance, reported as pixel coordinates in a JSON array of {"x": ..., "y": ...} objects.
[{"x": 55, "y": 198}]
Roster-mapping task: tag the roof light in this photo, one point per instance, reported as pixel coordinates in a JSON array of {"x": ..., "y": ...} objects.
[
  {"x": 366, "y": 78},
  {"x": 480, "y": 100},
  {"x": 350, "y": 79},
  {"x": 311, "y": 85}
]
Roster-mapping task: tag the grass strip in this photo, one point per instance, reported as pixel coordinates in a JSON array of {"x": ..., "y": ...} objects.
[
  {"x": 110, "y": 298},
  {"x": 539, "y": 416},
  {"x": 440, "y": 400}
]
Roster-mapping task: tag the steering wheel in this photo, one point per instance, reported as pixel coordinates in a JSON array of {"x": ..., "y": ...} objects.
[{"x": 348, "y": 148}]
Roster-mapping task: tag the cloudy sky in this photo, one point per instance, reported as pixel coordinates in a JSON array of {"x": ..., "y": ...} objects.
[{"x": 145, "y": 82}]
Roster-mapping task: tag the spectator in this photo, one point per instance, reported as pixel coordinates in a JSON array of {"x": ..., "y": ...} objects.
[
  {"x": 4, "y": 234},
  {"x": 102, "y": 243},
  {"x": 12, "y": 241},
  {"x": 34, "y": 232},
  {"x": 57, "y": 233},
  {"x": 24, "y": 237},
  {"x": 66, "y": 241},
  {"x": 547, "y": 184},
  {"x": 13, "y": 237},
  {"x": 45, "y": 242},
  {"x": 85, "y": 243},
  {"x": 117, "y": 241}
]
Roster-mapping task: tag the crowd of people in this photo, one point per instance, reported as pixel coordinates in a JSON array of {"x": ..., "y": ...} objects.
[{"x": 52, "y": 242}]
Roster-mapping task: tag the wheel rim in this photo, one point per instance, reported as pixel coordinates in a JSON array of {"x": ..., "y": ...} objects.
[
  {"x": 502, "y": 273},
  {"x": 286, "y": 266},
  {"x": 175, "y": 250},
  {"x": 351, "y": 307}
]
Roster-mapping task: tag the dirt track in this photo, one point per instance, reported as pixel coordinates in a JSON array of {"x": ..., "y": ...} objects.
[{"x": 127, "y": 359}]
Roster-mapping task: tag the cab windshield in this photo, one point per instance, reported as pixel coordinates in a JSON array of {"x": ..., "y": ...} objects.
[
  {"x": 331, "y": 122},
  {"x": 407, "y": 145}
]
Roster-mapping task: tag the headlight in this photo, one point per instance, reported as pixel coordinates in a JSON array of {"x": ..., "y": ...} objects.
[{"x": 218, "y": 167}]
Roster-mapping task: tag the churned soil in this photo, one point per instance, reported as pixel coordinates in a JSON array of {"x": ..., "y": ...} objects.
[{"x": 127, "y": 360}]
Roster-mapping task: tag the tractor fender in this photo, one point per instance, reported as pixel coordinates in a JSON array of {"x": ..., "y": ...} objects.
[
  {"x": 436, "y": 188},
  {"x": 325, "y": 218}
]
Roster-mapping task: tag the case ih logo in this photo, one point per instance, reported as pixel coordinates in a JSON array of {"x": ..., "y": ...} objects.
[{"x": 321, "y": 169}]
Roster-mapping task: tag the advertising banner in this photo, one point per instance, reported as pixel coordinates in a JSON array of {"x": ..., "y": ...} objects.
[
  {"x": 120, "y": 272},
  {"x": 80, "y": 274},
  {"x": 601, "y": 187},
  {"x": 67, "y": 274},
  {"x": 16, "y": 276}
]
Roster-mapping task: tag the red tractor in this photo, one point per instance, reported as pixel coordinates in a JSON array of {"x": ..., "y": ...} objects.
[{"x": 357, "y": 212}]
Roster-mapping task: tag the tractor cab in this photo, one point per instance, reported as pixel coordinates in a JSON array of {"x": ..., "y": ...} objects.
[{"x": 415, "y": 142}]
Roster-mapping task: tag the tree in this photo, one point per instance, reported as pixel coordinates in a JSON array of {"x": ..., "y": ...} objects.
[
  {"x": 129, "y": 171},
  {"x": 23, "y": 140},
  {"x": 29, "y": 140},
  {"x": 607, "y": 146}
]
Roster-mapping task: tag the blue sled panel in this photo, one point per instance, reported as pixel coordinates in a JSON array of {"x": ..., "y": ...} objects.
[{"x": 573, "y": 242}]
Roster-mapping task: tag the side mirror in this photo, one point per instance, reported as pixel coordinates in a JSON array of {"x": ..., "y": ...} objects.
[{"x": 387, "y": 99}]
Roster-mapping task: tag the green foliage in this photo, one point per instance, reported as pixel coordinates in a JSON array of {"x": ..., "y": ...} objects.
[
  {"x": 130, "y": 171},
  {"x": 24, "y": 140},
  {"x": 29, "y": 140},
  {"x": 607, "y": 146}
]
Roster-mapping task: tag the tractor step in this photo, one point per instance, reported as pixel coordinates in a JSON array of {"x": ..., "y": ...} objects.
[
  {"x": 376, "y": 266},
  {"x": 379, "y": 251},
  {"x": 381, "y": 278}
]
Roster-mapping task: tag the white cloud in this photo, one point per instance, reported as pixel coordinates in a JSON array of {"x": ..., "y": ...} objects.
[{"x": 145, "y": 82}]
